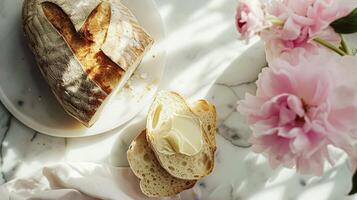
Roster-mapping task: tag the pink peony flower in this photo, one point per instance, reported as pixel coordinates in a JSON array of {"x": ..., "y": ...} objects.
[
  {"x": 277, "y": 47},
  {"x": 299, "y": 110},
  {"x": 250, "y": 18},
  {"x": 304, "y": 20}
]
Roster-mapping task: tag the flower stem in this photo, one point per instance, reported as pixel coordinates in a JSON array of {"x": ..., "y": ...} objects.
[
  {"x": 344, "y": 46},
  {"x": 329, "y": 46}
]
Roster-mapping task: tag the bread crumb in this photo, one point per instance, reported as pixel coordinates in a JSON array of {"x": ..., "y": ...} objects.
[
  {"x": 143, "y": 75},
  {"x": 127, "y": 86}
]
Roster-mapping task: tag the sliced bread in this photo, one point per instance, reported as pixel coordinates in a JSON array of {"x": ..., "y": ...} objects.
[
  {"x": 207, "y": 114},
  {"x": 179, "y": 165},
  {"x": 155, "y": 181}
]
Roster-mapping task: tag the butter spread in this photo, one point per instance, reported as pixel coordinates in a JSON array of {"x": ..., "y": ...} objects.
[{"x": 176, "y": 134}]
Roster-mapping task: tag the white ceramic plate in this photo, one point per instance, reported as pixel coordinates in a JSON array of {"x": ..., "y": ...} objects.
[{"x": 27, "y": 96}]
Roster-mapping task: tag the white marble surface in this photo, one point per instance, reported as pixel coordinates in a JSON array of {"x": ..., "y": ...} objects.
[{"x": 205, "y": 60}]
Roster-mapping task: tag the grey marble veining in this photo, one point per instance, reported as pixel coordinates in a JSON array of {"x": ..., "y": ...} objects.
[
  {"x": 233, "y": 126},
  {"x": 24, "y": 150},
  {"x": 231, "y": 86},
  {"x": 5, "y": 125}
]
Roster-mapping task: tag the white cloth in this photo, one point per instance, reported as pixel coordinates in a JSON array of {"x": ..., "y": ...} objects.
[{"x": 78, "y": 181}]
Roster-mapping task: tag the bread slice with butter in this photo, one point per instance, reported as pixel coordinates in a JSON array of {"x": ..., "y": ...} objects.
[
  {"x": 188, "y": 155},
  {"x": 154, "y": 180}
]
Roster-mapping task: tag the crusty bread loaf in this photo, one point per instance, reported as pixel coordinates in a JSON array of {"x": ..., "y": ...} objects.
[
  {"x": 178, "y": 165},
  {"x": 154, "y": 180},
  {"x": 85, "y": 49}
]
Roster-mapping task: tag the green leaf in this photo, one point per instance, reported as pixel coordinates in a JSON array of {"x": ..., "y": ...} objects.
[
  {"x": 346, "y": 25},
  {"x": 354, "y": 184}
]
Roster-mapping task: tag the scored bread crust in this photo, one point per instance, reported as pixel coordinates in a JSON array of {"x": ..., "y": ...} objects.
[
  {"x": 178, "y": 165},
  {"x": 154, "y": 180},
  {"x": 81, "y": 89}
]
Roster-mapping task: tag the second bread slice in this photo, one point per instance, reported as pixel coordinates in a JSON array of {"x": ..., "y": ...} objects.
[{"x": 154, "y": 180}]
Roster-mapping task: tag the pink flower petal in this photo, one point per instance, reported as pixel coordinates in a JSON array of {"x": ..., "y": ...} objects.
[{"x": 302, "y": 108}]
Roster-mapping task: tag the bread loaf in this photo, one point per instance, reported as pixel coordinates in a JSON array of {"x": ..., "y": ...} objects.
[{"x": 86, "y": 50}]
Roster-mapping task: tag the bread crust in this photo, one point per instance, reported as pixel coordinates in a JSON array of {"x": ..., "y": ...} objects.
[{"x": 65, "y": 58}]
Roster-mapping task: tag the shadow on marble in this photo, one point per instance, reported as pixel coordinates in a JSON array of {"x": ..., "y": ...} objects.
[
  {"x": 200, "y": 40},
  {"x": 193, "y": 10}
]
